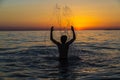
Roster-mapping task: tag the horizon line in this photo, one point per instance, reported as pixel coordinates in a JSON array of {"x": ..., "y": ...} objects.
[{"x": 49, "y": 29}]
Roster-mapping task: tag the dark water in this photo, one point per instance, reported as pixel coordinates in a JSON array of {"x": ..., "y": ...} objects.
[{"x": 30, "y": 55}]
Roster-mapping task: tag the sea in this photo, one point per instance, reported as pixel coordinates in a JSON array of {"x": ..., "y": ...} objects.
[{"x": 30, "y": 55}]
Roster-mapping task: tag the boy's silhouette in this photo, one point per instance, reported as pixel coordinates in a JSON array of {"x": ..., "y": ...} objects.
[{"x": 63, "y": 47}]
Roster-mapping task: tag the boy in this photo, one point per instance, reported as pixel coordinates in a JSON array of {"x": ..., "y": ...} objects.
[{"x": 63, "y": 47}]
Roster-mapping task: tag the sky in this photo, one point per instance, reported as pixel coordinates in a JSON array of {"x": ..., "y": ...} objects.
[{"x": 42, "y": 14}]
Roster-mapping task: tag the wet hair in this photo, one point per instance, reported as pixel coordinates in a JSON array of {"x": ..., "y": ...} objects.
[{"x": 63, "y": 38}]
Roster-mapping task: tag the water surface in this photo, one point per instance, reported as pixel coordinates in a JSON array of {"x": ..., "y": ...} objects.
[{"x": 30, "y": 55}]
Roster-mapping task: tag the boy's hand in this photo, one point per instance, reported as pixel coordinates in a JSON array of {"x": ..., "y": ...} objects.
[
  {"x": 52, "y": 28},
  {"x": 72, "y": 28}
]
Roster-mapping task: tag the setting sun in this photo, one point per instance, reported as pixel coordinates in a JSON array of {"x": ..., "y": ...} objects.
[{"x": 83, "y": 22}]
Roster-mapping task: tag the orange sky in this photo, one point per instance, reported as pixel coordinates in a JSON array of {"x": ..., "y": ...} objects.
[{"x": 83, "y": 14}]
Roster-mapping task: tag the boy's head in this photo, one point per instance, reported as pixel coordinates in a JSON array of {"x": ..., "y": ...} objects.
[{"x": 63, "y": 39}]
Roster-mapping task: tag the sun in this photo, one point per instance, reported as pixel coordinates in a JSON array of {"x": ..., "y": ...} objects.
[{"x": 84, "y": 22}]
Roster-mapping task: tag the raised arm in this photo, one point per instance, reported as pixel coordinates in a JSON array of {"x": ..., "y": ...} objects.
[
  {"x": 74, "y": 36},
  {"x": 51, "y": 36}
]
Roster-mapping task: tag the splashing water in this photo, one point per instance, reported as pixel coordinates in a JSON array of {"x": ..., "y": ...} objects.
[{"x": 63, "y": 21}]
